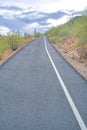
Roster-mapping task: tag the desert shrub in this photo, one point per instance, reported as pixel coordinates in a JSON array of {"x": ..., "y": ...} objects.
[{"x": 13, "y": 41}]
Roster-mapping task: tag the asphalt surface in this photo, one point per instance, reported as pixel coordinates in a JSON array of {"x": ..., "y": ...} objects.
[{"x": 31, "y": 96}]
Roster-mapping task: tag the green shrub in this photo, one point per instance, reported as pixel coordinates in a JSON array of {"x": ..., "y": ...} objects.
[
  {"x": 37, "y": 34},
  {"x": 13, "y": 42}
]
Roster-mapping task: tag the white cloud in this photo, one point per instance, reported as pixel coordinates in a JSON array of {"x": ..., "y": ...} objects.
[
  {"x": 9, "y": 14},
  {"x": 36, "y": 7},
  {"x": 74, "y": 4},
  {"x": 32, "y": 15},
  {"x": 60, "y": 21},
  {"x": 4, "y": 30},
  {"x": 48, "y": 5},
  {"x": 6, "y": 14},
  {"x": 30, "y": 27},
  {"x": 33, "y": 25}
]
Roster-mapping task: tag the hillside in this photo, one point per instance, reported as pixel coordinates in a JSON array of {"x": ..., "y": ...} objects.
[
  {"x": 71, "y": 38},
  {"x": 72, "y": 35}
]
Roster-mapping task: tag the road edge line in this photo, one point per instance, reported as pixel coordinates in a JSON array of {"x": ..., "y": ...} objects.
[{"x": 67, "y": 94}]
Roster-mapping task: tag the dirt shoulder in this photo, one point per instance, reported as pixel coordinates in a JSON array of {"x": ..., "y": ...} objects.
[{"x": 79, "y": 67}]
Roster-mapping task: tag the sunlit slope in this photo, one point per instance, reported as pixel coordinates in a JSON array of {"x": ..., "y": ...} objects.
[
  {"x": 72, "y": 34},
  {"x": 77, "y": 27}
]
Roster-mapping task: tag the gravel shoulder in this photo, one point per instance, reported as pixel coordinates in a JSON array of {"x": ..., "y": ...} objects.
[{"x": 79, "y": 67}]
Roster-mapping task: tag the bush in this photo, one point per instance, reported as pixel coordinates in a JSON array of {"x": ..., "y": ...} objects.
[
  {"x": 37, "y": 34},
  {"x": 13, "y": 42}
]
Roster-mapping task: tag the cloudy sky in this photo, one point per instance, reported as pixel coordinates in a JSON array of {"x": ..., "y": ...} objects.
[
  {"x": 47, "y": 5},
  {"x": 20, "y": 19}
]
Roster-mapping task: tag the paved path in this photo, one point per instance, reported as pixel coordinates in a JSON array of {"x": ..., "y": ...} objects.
[{"x": 32, "y": 95}]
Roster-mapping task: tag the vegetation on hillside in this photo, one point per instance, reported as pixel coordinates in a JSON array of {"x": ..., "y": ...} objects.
[
  {"x": 76, "y": 27},
  {"x": 73, "y": 33}
]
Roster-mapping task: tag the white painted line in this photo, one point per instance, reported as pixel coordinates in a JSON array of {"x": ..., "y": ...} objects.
[{"x": 71, "y": 102}]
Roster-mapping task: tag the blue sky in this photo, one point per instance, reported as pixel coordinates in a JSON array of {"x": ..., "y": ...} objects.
[{"x": 35, "y": 9}]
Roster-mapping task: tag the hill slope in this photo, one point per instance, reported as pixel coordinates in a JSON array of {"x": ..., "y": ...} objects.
[{"x": 72, "y": 37}]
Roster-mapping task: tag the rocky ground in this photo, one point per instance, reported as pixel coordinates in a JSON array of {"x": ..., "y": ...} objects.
[{"x": 76, "y": 57}]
